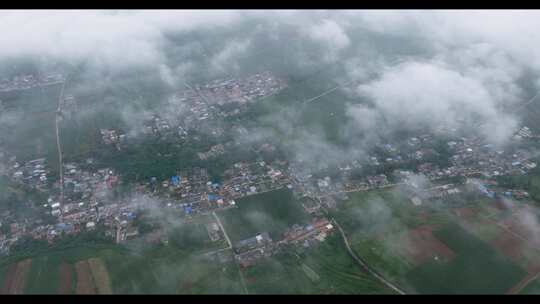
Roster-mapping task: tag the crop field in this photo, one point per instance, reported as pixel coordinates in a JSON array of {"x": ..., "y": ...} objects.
[
  {"x": 103, "y": 268},
  {"x": 167, "y": 270},
  {"x": 532, "y": 288},
  {"x": 271, "y": 211},
  {"x": 85, "y": 281},
  {"x": 477, "y": 267},
  {"x": 66, "y": 279},
  {"x": 43, "y": 277},
  {"x": 327, "y": 269},
  {"x": 422, "y": 246},
  {"x": 194, "y": 238},
  {"x": 438, "y": 250},
  {"x": 36, "y": 126},
  {"x": 15, "y": 277}
]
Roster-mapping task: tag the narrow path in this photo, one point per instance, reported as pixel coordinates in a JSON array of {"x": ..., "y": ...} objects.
[
  {"x": 242, "y": 279},
  {"x": 364, "y": 265},
  {"x": 523, "y": 283},
  {"x": 222, "y": 229},
  {"x": 58, "y": 145}
]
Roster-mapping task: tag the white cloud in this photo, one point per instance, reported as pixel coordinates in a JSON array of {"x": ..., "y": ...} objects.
[
  {"x": 331, "y": 35},
  {"x": 123, "y": 38},
  {"x": 414, "y": 94}
]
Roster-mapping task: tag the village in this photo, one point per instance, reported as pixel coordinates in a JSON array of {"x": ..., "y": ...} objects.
[
  {"x": 86, "y": 199},
  {"x": 24, "y": 82},
  {"x": 88, "y": 202}
]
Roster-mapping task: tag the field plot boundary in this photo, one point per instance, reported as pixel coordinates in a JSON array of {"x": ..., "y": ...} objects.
[
  {"x": 100, "y": 274},
  {"x": 65, "y": 278},
  {"x": 422, "y": 245},
  {"x": 15, "y": 277},
  {"x": 92, "y": 277},
  {"x": 85, "y": 281}
]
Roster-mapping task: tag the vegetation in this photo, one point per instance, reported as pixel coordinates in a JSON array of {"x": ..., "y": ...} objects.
[
  {"x": 271, "y": 212},
  {"x": 336, "y": 271},
  {"x": 476, "y": 269}
]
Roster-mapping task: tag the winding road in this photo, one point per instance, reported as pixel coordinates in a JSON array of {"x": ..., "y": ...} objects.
[{"x": 364, "y": 265}]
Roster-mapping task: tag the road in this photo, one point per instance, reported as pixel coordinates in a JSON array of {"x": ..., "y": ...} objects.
[
  {"x": 362, "y": 189},
  {"x": 364, "y": 265},
  {"x": 328, "y": 92},
  {"x": 58, "y": 145},
  {"x": 222, "y": 229},
  {"x": 242, "y": 279}
]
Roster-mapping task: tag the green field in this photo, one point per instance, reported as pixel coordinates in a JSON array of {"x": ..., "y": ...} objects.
[
  {"x": 136, "y": 267},
  {"x": 30, "y": 132},
  {"x": 272, "y": 212},
  {"x": 477, "y": 268},
  {"x": 331, "y": 271},
  {"x": 532, "y": 288},
  {"x": 374, "y": 222},
  {"x": 166, "y": 270},
  {"x": 43, "y": 276},
  {"x": 193, "y": 238}
]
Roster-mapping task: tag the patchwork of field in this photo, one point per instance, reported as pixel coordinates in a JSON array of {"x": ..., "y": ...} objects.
[
  {"x": 272, "y": 212},
  {"x": 114, "y": 269},
  {"x": 512, "y": 233},
  {"x": 421, "y": 245},
  {"x": 477, "y": 267},
  {"x": 327, "y": 269},
  {"x": 15, "y": 277},
  {"x": 66, "y": 279},
  {"x": 92, "y": 277},
  {"x": 476, "y": 248}
]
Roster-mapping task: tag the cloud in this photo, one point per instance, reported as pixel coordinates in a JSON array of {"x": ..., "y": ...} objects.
[
  {"x": 430, "y": 94},
  {"x": 225, "y": 60},
  {"x": 105, "y": 38},
  {"x": 331, "y": 35}
]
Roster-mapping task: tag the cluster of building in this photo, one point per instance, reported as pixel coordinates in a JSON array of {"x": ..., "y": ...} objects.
[
  {"x": 33, "y": 173},
  {"x": 318, "y": 229},
  {"x": 206, "y": 104},
  {"x": 249, "y": 251},
  {"x": 243, "y": 90},
  {"x": 194, "y": 193},
  {"x": 86, "y": 203},
  {"x": 112, "y": 137},
  {"x": 213, "y": 152},
  {"x": 156, "y": 125},
  {"x": 24, "y": 82}
]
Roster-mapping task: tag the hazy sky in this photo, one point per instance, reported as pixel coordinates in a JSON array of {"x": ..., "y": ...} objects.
[{"x": 469, "y": 63}]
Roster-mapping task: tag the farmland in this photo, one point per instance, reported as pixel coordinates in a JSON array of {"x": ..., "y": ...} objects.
[
  {"x": 532, "y": 288},
  {"x": 271, "y": 211},
  {"x": 100, "y": 267},
  {"x": 15, "y": 277},
  {"x": 43, "y": 276},
  {"x": 477, "y": 268},
  {"x": 436, "y": 249},
  {"x": 326, "y": 269}
]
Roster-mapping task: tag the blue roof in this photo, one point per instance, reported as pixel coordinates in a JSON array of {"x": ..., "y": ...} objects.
[
  {"x": 482, "y": 188},
  {"x": 213, "y": 197}
]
